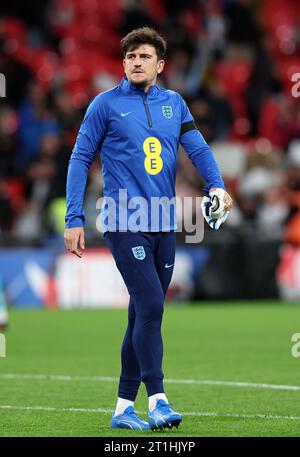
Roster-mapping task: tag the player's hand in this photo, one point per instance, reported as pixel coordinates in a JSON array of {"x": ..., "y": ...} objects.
[
  {"x": 74, "y": 240},
  {"x": 228, "y": 202}
]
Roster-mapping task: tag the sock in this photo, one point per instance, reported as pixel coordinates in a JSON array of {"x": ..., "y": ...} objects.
[
  {"x": 153, "y": 399},
  {"x": 122, "y": 404}
]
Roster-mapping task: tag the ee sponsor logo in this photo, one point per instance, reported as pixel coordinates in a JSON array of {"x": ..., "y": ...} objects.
[{"x": 153, "y": 162}]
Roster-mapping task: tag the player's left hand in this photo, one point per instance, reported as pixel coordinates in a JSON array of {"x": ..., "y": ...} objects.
[
  {"x": 216, "y": 207},
  {"x": 223, "y": 196}
]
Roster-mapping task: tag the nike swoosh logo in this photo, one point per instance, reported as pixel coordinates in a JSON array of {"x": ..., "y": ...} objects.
[
  {"x": 125, "y": 114},
  {"x": 169, "y": 266}
]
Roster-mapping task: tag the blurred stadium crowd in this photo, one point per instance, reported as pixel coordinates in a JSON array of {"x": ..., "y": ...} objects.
[{"x": 233, "y": 61}]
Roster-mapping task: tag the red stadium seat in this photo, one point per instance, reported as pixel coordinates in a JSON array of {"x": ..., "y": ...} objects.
[
  {"x": 15, "y": 28},
  {"x": 281, "y": 20},
  {"x": 14, "y": 189},
  {"x": 234, "y": 76}
]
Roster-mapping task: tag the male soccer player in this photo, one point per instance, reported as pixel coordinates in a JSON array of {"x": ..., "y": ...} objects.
[{"x": 138, "y": 126}]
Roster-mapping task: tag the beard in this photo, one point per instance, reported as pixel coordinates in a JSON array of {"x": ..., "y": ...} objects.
[{"x": 140, "y": 84}]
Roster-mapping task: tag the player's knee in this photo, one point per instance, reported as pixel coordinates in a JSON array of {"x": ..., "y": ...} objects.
[{"x": 153, "y": 311}]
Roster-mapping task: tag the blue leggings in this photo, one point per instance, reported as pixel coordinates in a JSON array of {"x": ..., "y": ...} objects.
[{"x": 145, "y": 261}]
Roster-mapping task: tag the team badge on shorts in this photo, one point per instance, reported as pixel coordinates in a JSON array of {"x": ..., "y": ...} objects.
[
  {"x": 139, "y": 252},
  {"x": 167, "y": 111}
]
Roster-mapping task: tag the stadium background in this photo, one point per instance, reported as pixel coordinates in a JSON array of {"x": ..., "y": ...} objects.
[
  {"x": 232, "y": 60},
  {"x": 236, "y": 63}
]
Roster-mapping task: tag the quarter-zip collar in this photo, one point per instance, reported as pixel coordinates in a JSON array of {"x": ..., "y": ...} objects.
[{"x": 131, "y": 88}]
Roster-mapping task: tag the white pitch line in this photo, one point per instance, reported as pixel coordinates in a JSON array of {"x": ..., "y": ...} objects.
[
  {"x": 53, "y": 408},
  {"x": 109, "y": 411},
  {"x": 44, "y": 377}
]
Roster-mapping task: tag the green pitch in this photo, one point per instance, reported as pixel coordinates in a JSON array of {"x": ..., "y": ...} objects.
[{"x": 209, "y": 350}]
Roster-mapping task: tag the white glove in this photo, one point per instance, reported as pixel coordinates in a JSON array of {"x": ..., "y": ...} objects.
[
  {"x": 210, "y": 211},
  {"x": 217, "y": 203}
]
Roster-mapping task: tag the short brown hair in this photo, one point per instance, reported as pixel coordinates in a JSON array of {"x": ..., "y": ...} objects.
[{"x": 144, "y": 35}]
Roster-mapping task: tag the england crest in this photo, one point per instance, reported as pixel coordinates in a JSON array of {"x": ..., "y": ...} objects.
[
  {"x": 139, "y": 252},
  {"x": 167, "y": 111}
]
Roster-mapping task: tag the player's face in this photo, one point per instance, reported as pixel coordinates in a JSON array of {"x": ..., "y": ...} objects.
[{"x": 142, "y": 66}]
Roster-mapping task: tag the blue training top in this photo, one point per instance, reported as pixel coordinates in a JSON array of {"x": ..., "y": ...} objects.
[{"x": 138, "y": 135}]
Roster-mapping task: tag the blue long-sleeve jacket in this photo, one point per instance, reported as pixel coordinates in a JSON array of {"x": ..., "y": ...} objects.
[{"x": 138, "y": 135}]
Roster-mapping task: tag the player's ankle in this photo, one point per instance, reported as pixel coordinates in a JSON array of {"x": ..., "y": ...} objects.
[
  {"x": 122, "y": 404},
  {"x": 153, "y": 399}
]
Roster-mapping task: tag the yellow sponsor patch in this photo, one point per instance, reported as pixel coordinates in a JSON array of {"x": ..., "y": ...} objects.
[{"x": 153, "y": 162}]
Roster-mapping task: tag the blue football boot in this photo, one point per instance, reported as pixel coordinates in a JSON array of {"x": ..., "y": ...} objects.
[
  {"x": 163, "y": 416},
  {"x": 128, "y": 419}
]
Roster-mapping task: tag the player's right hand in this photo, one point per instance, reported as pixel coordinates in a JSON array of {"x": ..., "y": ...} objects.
[{"x": 74, "y": 240}]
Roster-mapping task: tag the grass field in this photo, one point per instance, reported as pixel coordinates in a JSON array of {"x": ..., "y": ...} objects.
[{"x": 223, "y": 364}]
